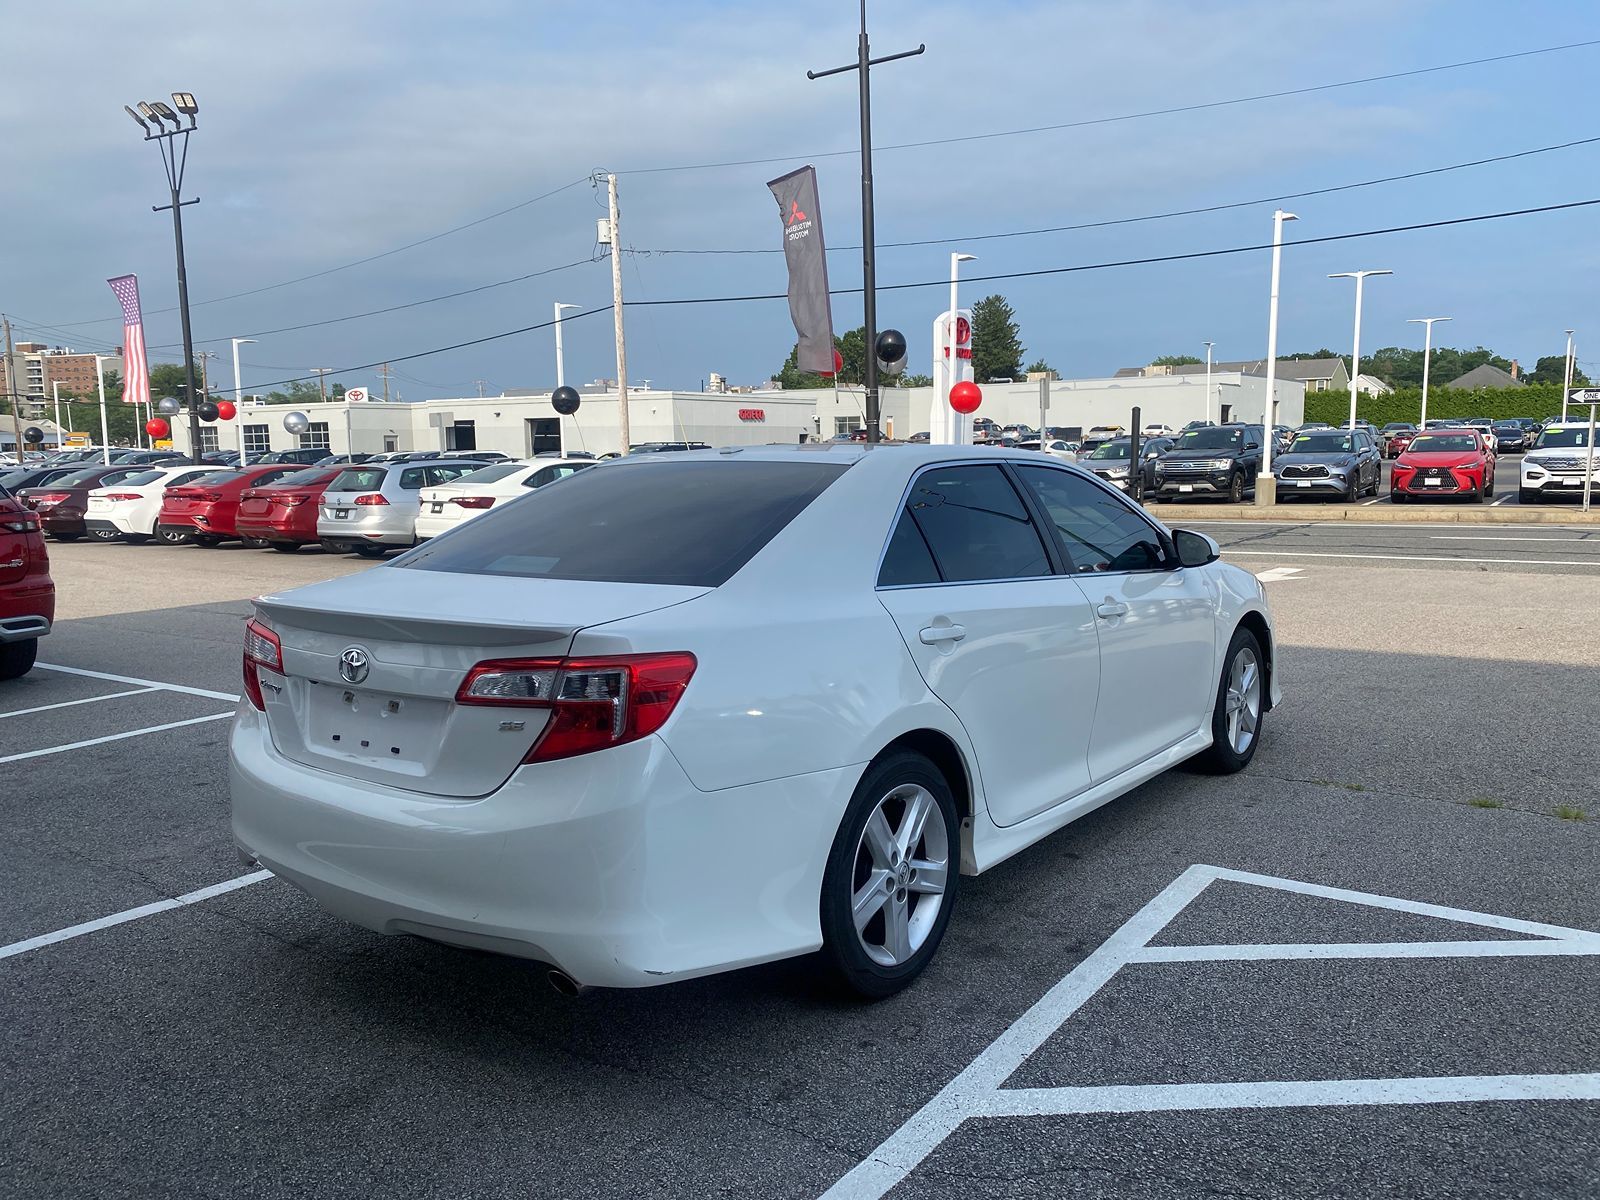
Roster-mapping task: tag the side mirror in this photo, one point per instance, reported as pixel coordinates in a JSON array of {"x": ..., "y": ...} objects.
[
  {"x": 1252, "y": 445},
  {"x": 1194, "y": 549}
]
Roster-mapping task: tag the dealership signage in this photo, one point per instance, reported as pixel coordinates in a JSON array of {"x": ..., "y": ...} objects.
[{"x": 752, "y": 414}]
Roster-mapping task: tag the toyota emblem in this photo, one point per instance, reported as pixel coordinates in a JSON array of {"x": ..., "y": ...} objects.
[{"x": 354, "y": 664}]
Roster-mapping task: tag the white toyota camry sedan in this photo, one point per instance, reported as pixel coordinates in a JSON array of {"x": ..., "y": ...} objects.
[{"x": 689, "y": 712}]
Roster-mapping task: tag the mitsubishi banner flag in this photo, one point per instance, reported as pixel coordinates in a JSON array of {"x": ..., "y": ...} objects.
[
  {"x": 796, "y": 194},
  {"x": 136, "y": 385}
]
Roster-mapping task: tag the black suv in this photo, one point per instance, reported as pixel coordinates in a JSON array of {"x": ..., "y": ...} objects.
[{"x": 1217, "y": 460}]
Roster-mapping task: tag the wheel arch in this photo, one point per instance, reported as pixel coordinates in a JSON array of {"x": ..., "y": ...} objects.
[
  {"x": 939, "y": 749},
  {"x": 1257, "y": 624}
]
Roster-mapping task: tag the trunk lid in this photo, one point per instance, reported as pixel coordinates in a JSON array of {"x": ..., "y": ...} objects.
[{"x": 418, "y": 634}]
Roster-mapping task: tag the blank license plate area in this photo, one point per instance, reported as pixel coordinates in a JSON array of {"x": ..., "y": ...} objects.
[
  {"x": 376, "y": 727},
  {"x": 437, "y": 506},
  {"x": 1303, "y": 483},
  {"x": 341, "y": 514},
  {"x": 1433, "y": 483}
]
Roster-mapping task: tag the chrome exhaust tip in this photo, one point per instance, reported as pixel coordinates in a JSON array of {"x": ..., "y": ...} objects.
[{"x": 565, "y": 984}]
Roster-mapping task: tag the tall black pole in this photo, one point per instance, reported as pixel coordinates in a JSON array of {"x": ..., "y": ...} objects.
[
  {"x": 869, "y": 267},
  {"x": 188, "y": 336}
]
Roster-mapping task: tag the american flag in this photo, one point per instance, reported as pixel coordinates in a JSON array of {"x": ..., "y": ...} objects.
[{"x": 136, "y": 384}]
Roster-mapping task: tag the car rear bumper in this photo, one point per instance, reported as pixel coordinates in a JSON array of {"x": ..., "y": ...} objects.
[
  {"x": 429, "y": 525},
  {"x": 24, "y": 627},
  {"x": 58, "y": 521},
  {"x": 270, "y": 531},
  {"x": 611, "y": 866}
]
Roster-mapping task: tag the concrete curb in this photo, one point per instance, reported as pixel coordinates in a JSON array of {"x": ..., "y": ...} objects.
[{"x": 1372, "y": 514}]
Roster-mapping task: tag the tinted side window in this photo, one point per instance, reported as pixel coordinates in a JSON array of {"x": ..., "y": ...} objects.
[
  {"x": 1100, "y": 531},
  {"x": 412, "y": 478},
  {"x": 438, "y": 475},
  {"x": 975, "y": 525},
  {"x": 907, "y": 561}
]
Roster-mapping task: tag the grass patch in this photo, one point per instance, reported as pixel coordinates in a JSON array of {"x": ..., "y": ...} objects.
[
  {"x": 1567, "y": 813},
  {"x": 1485, "y": 802}
]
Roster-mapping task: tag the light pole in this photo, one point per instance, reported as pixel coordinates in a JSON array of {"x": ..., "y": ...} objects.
[
  {"x": 1427, "y": 356},
  {"x": 1355, "y": 353},
  {"x": 105, "y": 432},
  {"x": 1208, "y": 382},
  {"x": 1266, "y": 485},
  {"x": 1566, "y": 375},
  {"x": 238, "y": 393},
  {"x": 55, "y": 387},
  {"x": 561, "y": 366},
  {"x": 175, "y": 160},
  {"x": 963, "y": 424}
]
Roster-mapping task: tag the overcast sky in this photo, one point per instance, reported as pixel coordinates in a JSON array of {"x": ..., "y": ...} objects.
[{"x": 330, "y": 132}]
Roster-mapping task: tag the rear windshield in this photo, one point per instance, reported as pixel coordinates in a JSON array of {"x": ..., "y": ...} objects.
[
  {"x": 77, "y": 478},
  {"x": 490, "y": 474},
  {"x": 142, "y": 478},
  {"x": 304, "y": 478},
  {"x": 673, "y": 522},
  {"x": 215, "y": 478},
  {"x": 358, "y": 479}
]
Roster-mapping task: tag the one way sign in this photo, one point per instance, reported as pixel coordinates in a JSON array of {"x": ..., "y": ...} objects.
[{"x": 1584, "y": 396}]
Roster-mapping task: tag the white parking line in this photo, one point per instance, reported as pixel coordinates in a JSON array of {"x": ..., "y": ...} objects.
[
  {"x": 133, "y": 914},
  {"x": 1520, "y": 562},
  {"x": 1485, "y": 537},
  {"x": 23, "y": 712},
  {"x": 979, "y": 1091},
  {"x": 153, "y": 683},
  {"x": 113, "y": 737}
]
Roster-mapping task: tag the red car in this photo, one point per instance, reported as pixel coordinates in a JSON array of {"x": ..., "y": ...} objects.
[
  {"x": 283, "y": 513},
  {"x": 27, "y": 593},
  {"x": 205, "y": 511},
  {"x": 62, "y": 502},
  {"x": 1399, "y": 442},
  {"x": 1444, "y": 462}
]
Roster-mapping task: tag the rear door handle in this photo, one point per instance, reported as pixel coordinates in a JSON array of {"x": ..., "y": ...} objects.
[
  {"x": 933, "y": 635},
  {"x": 1112, "y": 609}
]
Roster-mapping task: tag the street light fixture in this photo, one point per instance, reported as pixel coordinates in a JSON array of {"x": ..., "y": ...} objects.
[
  {"x": 1266, "y": 485},
  {"x": 1355, "y": 351},
  {"x": 1566, "y": 375},
  {"x": 174, "y": 159},
  {"x": 561, "y": 365},
  {"x": 1208, "y": 385},
  {"x": 1427, "y": 355}
]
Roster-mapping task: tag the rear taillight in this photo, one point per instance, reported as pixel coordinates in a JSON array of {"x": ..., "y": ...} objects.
[
  {"x": 45, "y": 498},
  {"x": 120, "y": 496},
  {"x": 291, "y": 501},
  {"x": 371, "y": 498},
  {"x": 474, "y": 501},
  {"x": 20, "y": 523},
  {"x": 210, "y": 497},
  {"x": 594, "y": 703},
  {"x": 261, "y": 649}
]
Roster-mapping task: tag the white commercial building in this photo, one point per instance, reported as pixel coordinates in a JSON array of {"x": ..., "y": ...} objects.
[{"x": 523, "y": 424}]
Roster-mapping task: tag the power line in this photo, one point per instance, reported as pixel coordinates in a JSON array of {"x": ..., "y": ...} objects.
[
  {"x": 1133, "y": 116},
  {"x": 1162, "y": 216},
  {"x": 891, "y": 287}
]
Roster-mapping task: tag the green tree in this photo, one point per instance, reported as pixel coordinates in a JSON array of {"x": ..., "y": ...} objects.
[
  {"x": 300, "y": 391},
  {"x": 911, "y": 381},
  {"x": 852, "y": 348},
  {"x": 1323, "y": 353},
  {"x": 1552, "y": 368},
  {"x": 1175, "y": 360},
  {"x": 166, "y": 379},
  {"x": 1039, "y": 366},
  {"x": 996, "y": 348}
]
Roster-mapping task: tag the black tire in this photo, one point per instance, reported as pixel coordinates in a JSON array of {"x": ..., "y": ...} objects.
[
  {"x": 254, "y": 543},
  {"x": 1524, "y": 496},
  {"x": 1489, "y": 490},
  {"x": 1397, "y": 497},
  {"x": 136, "y": 539},
  {"x": 16, "y": 658},
  {"x": 172, "y": 537},
  {"x": 331, "y": 547},
  {"x": 842, "y": 946},
  {"x": 65, "y": 537},
  {"x": 1222, "y": 758},
  {"x": 370, "y": 551},
  {"x": 1236, "y": 488},
  {"x": 209, "y": 540},
  {"x": 285, "y": 547},
  {"x": 1352, "y": 491}
]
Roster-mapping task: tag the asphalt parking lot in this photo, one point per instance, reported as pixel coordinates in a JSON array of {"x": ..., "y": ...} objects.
[{"x": 1364, "y": 967}]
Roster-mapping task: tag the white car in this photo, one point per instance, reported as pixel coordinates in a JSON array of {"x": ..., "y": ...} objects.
[
  {"x": 1158, "y": 430},
  {"x": 1055, "y": 448},
  {"x": 1556, "y": 464},
  {"x": 689, "y": 712},
  {"x": 130, "y": 509},
  {"x": 451, "y": 504}
]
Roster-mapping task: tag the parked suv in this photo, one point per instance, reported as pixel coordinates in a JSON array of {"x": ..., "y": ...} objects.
[
  {"x": 27, "y": 593},
  {"x": 1219, "y": 460},
  {"x": 372, "y": 509},
  {"x": 1555, "y": 465}
]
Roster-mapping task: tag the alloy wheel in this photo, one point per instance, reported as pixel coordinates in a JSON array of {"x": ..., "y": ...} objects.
[
  {"x": 1243, "y": 700},
  {"x": 902, "y": 866}
]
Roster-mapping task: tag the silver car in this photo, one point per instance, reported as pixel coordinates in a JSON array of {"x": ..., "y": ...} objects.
[{"x": 372, "y": 508}]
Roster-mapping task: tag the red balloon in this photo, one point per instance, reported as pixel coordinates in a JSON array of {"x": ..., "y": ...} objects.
[
  {"x": 157, "y": 428},
  {"x": 226, "y": 410},
  {"x": 965, "y": 397},
  {"x": 838, "y": 365}
]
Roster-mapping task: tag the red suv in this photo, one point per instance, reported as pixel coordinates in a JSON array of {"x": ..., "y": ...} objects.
[
  {"x": 62, "y": 502},
  {"x": 27, "y": 593},
  {"x": 205, "y": 511},
  {"x": 1444, "y": 462},
  {"x": 283, "y": 513}
]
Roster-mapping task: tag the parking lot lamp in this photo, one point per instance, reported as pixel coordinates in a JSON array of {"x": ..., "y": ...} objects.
[
  {"x": 1427, "y": 355},
  {"x": 1208, "y": 383},
  {"x": 238, "y": 394},
  {"x": 153, "y": 118},
  {"x": 1566, "y": 375},
  {"x": 1355, "y": 351},
  {"x": 1266, "y": 486},
  {"x": 561, "y": 365}
]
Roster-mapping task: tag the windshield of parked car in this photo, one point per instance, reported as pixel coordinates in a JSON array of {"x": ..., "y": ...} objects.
[
  {"x": 1443, "y": 443},
  {"x": 1558, "y": 437},
  {"x": 78, "y": 478},
  {"x": 1392, "y": 425},
  {"x": 661, "y": 520},
  {"x": 1112, "y": 450},
  {"x": 1321, "y": 443},
  {"x": 1214, "y": 438},
  {"x": 1507, "y": 427}
]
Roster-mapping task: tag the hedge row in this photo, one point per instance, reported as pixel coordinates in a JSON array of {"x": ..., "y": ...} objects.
[{"x": 1404, "y": 404}]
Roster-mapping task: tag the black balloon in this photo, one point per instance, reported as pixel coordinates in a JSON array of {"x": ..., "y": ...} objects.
[
  {"x": 565, "y": 400},
  {"x": 891, "y": 346},
  {"x": 208, "y": 410},
  {"x": 33, "y": 435}
]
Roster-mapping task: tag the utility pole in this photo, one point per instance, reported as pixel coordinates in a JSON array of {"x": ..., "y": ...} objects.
[
  {"x": 11, "y": 388},
  {"x": 205, "y": 375},
  {"x": 616, "y": 310},
  {"x": 384, "y": 371},
  {"x": 322, "y": 374},
  {"x": 869, "y": 271},
  {"x": 480, "y": 383}
]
